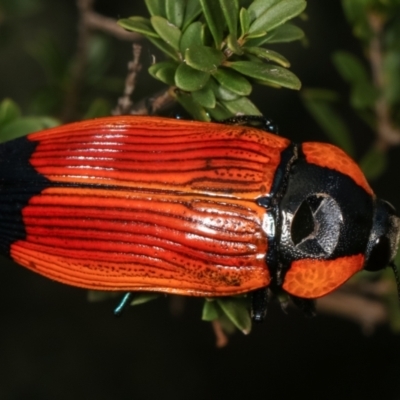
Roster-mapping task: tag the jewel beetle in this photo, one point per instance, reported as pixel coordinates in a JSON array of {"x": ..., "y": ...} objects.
[{"x": 139, "y": 203}]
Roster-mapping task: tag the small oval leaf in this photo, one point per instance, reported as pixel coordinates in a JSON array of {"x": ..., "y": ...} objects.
[
  {"x": 205, "y": 97},
  {"x": 167, "y": 31},
  {"x": 164, "y": 71},
  {"x": 175, "y": 10},
  {"x": 268, "y": 73},
  {"x": 193, "y": 10},
  {"x": 210, "y": 311},
  {"x": 233, "y": 81},
  {"x": 164, "y": 47},
  {"x": 278, "y": 14},
  {"x": 190, "y": 79},
  {"x": 192, "y": 107},
  {"x": 283, "y": 34},
  {"x": 204, "y": 58},
  {"x": 191, "y": 36},
  {"x": 215, "y": 20},
  {"x": 237, "y": 311},
  {"x": 268, "y": 55},
  {"x": 241, "y": 106},
  {"x": 219, "y": 112},
  {"x": 156, "y": 7},
  {"x": 230, "y": 9},
  {"x": 139, "y": 25},
  {"x": 244, "y": 22}
]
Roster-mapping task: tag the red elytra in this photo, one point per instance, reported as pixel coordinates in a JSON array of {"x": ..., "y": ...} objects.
[{"x": 193, "y": 208}]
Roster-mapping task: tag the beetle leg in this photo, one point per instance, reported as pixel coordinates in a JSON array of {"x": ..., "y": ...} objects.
[
  {"x": 305, "y": 305},
  {"x": 259, "y": 304},
  {"x": 253, "y": 121},
  {"x": 123, "y": 304}
]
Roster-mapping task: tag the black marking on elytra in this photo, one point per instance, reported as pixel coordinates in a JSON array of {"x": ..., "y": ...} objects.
[{"x": 19, "y": 182}]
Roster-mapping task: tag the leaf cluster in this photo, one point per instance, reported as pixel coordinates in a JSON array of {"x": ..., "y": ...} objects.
[
  {"x": 374, "y": 22},
  {"x": 216, "y": 50}
]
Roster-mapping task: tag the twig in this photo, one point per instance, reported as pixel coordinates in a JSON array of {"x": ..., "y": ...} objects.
[
  {"x": 125, "y": 103},
  {"x": 155, "y": 104},
  {"x": 369, "y": 313},
  {"x": 221, "y": 338},
  {"x": 388, "y": 134},
  {"x": 99, "y": 22},
  {"x": 79, "y": 61}
]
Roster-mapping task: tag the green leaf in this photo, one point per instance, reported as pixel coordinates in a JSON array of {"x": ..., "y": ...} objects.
[
  {"x": 283, "y": 34},
  {"x": 205, "y": 97},
  {"x": 259, "y": 7},
  {"x": 164, "y": 71},
  {"x": 210, "y": 310},
  {"x": 168, "y": 32},
  {"x": 222, "y": 93},
  {"x": 156, "y": 7},
  {"x": 9, "y": 111},
  {"x": 215, "y": 20},
  {"x": 230, "y": 9},
  {"x": 241, "y": 106},
  {"x": 192, "y": 107},
  {"x": 236, "y": 309},
  {"x": 204, "y": 58},
  {"x": 350, "y": 67},
  {"x": 193, "y": 10},
  {"x": 277, "y": 14},
  {"x": 142, "y": 298},
  {"x": 189, "y": 79},
  {"x": 233, "y": 81},
  {"x": 363, "y": 95},
  {"x": 23, "y": 126},
  {"x": 219, "y": 112},
  {"x": 363, "y": 92},
  {"x": 244, "y": 22},
  {"x": 191, "y": 36},
  {"x": 267, "y": 73},
  {"x": 234, "y": 45},
  {"x": 332, "y": 124},
  {"x": 175, "y": 11},
  {"x": 164, "y": 47},
  {"x": 98, "y": 108},
  {"x": 268, "y": 55},
  {"x": 373, "y": 164},
  {"x": 139, "y": 25}
]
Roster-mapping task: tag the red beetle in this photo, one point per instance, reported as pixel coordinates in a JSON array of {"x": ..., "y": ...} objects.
[{"x": 202, "y": 209}]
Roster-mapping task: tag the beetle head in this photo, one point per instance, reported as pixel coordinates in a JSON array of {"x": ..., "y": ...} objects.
[{"x": 330, "y": 228}]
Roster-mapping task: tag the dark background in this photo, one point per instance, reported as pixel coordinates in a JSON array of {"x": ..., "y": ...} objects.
[{"x": 56, "y": 345}]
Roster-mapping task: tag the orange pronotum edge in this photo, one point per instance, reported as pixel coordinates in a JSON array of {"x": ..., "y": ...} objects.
[
  {"x": 327, "y": 155},
  {"x": 310, "y": 278}
]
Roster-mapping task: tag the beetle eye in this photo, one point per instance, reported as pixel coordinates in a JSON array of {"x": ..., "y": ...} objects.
[
  {"x": 315, "y": 227},
  {"x": 380, "y": 255}
]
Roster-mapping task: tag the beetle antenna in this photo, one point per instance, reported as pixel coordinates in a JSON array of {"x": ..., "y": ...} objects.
[{"x": 397, "y": 277}]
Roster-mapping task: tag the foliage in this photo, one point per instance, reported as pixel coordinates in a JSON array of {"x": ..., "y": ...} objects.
[
  {"x": 374, "y": 81},
  {"x": 215, "y": 50}
]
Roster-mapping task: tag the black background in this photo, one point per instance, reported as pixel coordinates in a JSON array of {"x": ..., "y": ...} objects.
[{"x": 56, "y": 345}]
